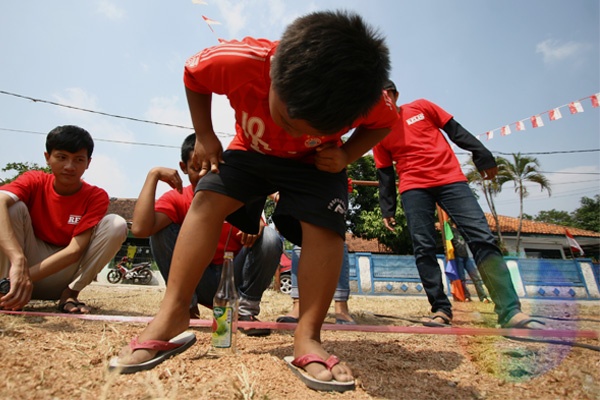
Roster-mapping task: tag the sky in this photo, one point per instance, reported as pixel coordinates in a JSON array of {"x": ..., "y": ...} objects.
[{"x": 488, "y": 63}]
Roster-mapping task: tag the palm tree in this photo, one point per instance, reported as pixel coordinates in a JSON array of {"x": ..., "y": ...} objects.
[
  {"x": 524, "y": 170},
  {"x": 489, "y": 188}
]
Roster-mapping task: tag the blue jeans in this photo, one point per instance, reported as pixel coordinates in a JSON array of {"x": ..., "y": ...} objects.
[
  {"x": 466, "y": 264},
  {"x": 462, "y": 208},
  {"x": 254, "y": 268},
  {"x": 342, "y": 291}
]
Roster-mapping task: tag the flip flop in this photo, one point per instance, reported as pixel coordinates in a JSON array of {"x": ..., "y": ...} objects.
[
  {"x": 287, "y": 319},
  {"x": 431, "y": 321},
  {"x": 524, "y": 324},
  {"x": 75, "y": 310},
  {"x": 297, "y": 366},
  {"x": 177, "y": 345}
]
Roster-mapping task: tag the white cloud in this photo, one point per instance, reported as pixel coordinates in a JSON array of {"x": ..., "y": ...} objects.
[
  {"x": 107, "y": 173},
  {"x": 169, "y": 110},
  {"x": 77, "y": 97},
  {"x": 110, "y": 10},
  {"x": 554, "y": 51}
]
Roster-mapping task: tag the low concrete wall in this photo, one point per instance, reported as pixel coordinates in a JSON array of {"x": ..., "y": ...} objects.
[{"x": 385, "y": 274}]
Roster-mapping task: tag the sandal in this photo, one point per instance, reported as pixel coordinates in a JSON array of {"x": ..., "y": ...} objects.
[
  {"x": 430, "y": 321},
  {"x": 297, "y": 366}
]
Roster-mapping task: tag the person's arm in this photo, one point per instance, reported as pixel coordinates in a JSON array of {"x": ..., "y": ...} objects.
[
  {"x": 208, "y": 151},
  {"x": 21, "y": 285},
  {"x": 62, "y": 258},
  {"x": 331, "y": 158},
  {"x": 387, "y": 196},
  {"x": 482, "y": 158},
  {"x": 146, "y": 221}
]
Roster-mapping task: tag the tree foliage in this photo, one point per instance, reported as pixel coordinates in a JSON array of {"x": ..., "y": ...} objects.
[
  {"x": 523, "y": 170},
  {"x": 21, "y": 168},
  {"x": 364, "y": 215},
  {"x": 587, "y": 216}
]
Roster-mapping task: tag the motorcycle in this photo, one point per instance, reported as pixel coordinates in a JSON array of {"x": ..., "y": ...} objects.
[{"x": 138, "y": 273}]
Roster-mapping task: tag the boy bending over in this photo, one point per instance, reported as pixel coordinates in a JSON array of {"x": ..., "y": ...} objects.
[{"x": 293, "y": 101}]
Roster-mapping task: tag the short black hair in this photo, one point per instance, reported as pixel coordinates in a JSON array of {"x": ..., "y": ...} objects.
[
  {"x": 329, "y": 69},
  {"x": 390, "y": 85},
  {"x": 69, "y": 138},
  {"x": 187, "y": 147}
]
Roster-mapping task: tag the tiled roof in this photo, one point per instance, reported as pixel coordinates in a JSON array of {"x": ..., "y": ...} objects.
[
  {"x": 122, "y": 207},
  {"x": 510, "y": 224},
  {"x": 356, "y": 244}
]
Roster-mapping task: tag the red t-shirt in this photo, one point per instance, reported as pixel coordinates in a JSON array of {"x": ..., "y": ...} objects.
[
  {"x": 240, "y": 70},
  {"x": 175, "y": 205},
  {"x": 57, "y": 219},
  {"x": 422, "y": 154}
]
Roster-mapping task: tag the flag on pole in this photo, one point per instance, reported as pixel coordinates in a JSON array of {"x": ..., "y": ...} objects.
[
  {"x": 575, "y": 107},
  {"x": 490, "y": 135},
  {"x": 536, "y": 121},
  {"x": 555, "y": 114},
  {"x": 520, "y": 126},
  {"x": 575, "y": 247},
  {"x": 505, "y": 130},
  {"x": 456, "y": 285},
  {"x": 210, "y": 21},
  {"x": 596, "y": 100}
]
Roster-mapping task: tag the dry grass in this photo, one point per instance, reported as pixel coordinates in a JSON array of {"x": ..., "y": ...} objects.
[{"x": 65, "y": 358}]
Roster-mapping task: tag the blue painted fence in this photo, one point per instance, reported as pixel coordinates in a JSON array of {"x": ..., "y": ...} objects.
[{"x": 385, "y": 274}]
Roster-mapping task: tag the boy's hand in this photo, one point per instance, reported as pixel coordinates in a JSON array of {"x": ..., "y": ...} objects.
[
  {"x": 168, "y": 175},
  {"x": 21, "y": 288},
  {"x": 248, "y": 239},
  {"x": 208, "y": 153},
  {"x": 330, "y": 158},
  {"x": 390, "y": 223},
  {"x": 489, "y": 173}
]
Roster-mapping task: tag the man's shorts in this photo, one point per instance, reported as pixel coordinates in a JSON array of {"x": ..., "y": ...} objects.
[{"x": 305, "y": 193}]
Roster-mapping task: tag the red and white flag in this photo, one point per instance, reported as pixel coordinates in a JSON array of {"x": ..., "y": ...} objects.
[
  {"x": 575, "y": 107},
  {"x": 505, "y": 130},
  {"x": 210, "y": 21},
  {"x": 575, "y": 247},
  {"x": 536, "y": 121},
  {"x": 490, "y": 135},
  {"x": 596, "y": 100},
  {"x": 520, "y": 126},
  {"x": 555, "y": 114}
]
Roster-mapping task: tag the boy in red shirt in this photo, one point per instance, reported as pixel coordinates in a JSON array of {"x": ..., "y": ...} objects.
[
  {"x": 429, "y": 173},
  {"x": 256, "y": 256},
  {"x": 293, "y": 101},
  {"x": 55, "y": 235}
]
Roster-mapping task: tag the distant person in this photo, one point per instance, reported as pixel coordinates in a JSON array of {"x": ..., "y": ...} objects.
[
  {"x": 340, "y": 297},
  {"x": 256, "y": 256},
  {"x": 342, "y": 290},
  {"x": 293, "y": 99},
  {"x": 55, "y": 235},
  {"x": 465, "y": 263},
  {"x": 429, "y": 173}
]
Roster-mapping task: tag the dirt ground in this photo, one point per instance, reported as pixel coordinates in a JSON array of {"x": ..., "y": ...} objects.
[{"x": 52, "y": 357}]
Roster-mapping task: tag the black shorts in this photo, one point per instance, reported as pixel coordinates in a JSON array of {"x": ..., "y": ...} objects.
[{"x": 305, "y": 193}]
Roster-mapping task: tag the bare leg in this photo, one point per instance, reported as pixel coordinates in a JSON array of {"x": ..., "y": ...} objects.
[
  {"x": 193, "y": 252},
  {"x": 318, "y": 272},
  {"x": 342, "y": 312}
]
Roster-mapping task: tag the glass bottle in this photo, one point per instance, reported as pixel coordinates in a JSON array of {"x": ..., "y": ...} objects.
[{"x": 225, "y": 311}]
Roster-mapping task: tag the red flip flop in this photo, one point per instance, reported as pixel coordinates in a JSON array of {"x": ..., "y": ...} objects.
[
  {"x": 297, "y": 366},
  {"x": 177, "y": 345}
]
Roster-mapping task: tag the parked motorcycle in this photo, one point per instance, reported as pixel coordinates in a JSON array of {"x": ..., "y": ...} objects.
[{"x": 138, "y": 273}]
